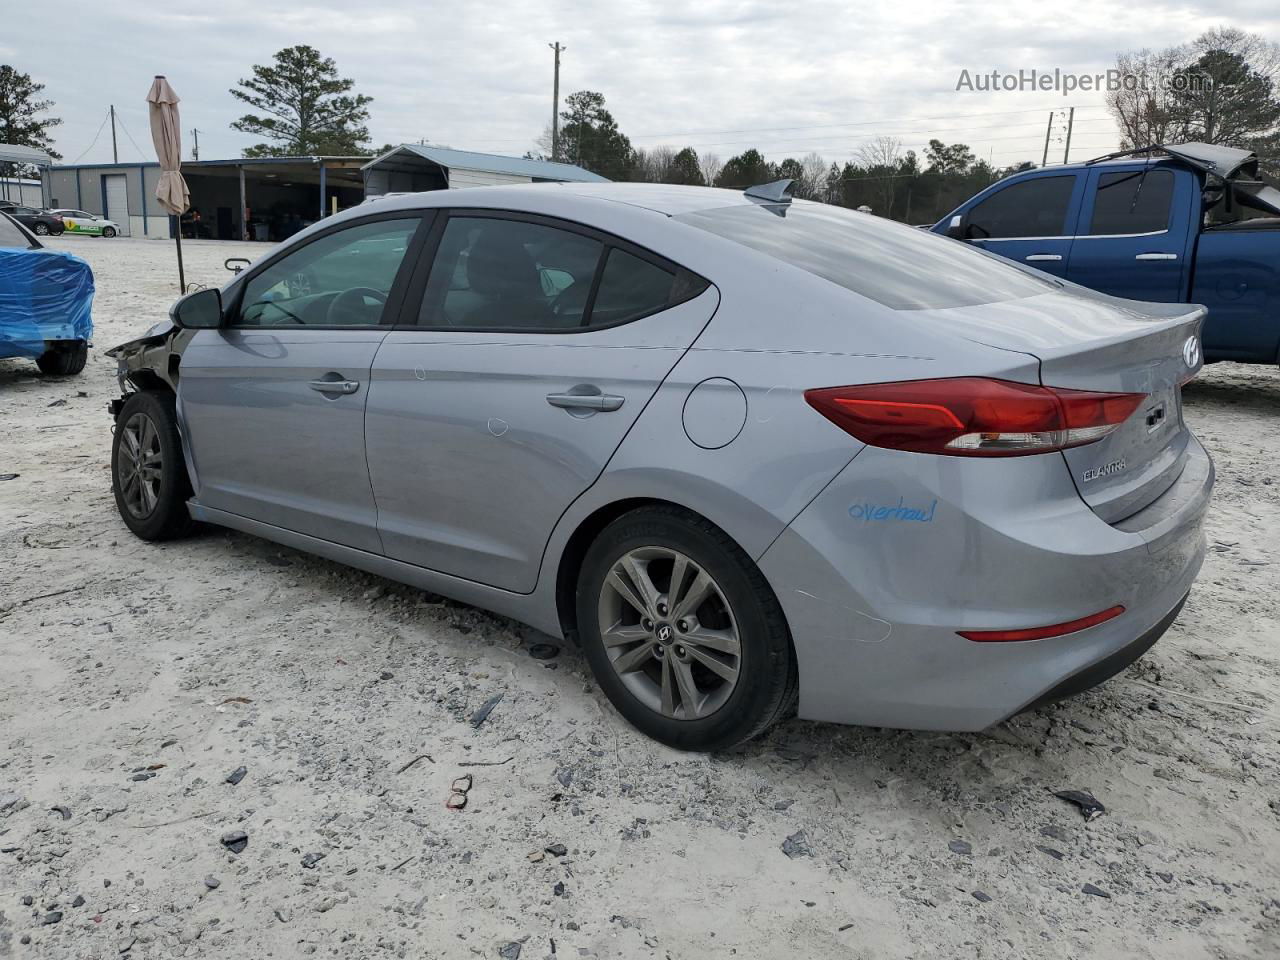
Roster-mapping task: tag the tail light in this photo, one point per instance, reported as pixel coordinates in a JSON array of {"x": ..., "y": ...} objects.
[{"x": 973, "y": 416}]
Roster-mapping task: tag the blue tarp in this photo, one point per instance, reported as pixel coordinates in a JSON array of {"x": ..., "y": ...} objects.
[{"x": 44, "y": 295}]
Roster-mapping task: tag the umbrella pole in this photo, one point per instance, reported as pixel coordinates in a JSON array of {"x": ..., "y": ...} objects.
[{"x": 177, "y": 236}]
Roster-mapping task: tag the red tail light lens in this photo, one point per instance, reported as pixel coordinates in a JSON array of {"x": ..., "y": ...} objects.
[{"x": 973, "y": 416}]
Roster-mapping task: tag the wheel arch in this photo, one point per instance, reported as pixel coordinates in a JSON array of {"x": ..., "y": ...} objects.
[{"x": 584, "y": 534}]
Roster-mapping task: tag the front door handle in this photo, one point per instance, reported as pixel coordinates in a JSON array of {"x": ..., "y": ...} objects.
[
  {"x": 1156, "y": 256},
  {"x": 602, "y": 402},
  {"x": 1044, "y": 256},
  {"x": 335, "y": 386}
]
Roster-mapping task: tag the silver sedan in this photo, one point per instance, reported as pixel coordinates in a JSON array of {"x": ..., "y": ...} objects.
[{"x": 753, "y": 454}]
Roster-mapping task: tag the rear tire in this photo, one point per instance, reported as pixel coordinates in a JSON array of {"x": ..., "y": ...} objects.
[
  {"x": 695, "y": 674},
  {"x": 64, "y": 359},
  {"x": 108, "y": 232},
  {"x": 40, "y": 230},
  {"x": 148, "y": 472}
]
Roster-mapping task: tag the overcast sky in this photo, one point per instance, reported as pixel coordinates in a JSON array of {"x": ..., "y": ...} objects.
[{"x": 719, "y": 75}]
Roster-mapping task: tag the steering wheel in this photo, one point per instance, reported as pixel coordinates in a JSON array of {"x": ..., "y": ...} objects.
[{"x": 349, "y": 306}]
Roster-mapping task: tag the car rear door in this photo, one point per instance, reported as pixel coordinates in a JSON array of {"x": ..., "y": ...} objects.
[
  {"x": 273, "y": 404},
  {"x": 534, "y": 346},
  {"x": 1029, "y": 221},
  {"x": 1134, "y": 230}
]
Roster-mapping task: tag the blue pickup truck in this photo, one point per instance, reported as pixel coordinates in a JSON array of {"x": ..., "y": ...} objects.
[{"x": 1192, "y": 223}]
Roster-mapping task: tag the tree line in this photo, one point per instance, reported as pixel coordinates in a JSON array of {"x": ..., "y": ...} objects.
[{"x": 1223, "y": 88}]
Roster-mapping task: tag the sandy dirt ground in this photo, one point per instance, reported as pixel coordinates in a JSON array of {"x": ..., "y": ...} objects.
[{"x": 134, "y": 678}]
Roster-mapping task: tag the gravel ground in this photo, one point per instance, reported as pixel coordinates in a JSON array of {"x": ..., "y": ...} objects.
[{"x": 135, "y": 678}]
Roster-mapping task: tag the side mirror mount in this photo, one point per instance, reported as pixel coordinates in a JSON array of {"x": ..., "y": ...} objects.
[
  {"x": 956, "y": 229},
  {"x": 201, "y": 310},
  {"x": 239, "y": 263}
]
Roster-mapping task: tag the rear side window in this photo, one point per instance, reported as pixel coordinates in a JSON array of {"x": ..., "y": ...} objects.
[
  {"x": 630, "y": 288},
  {"x": 1030, "y": 208},
  {"x": 898, "y": 266},
  {"x": 1132, "y": 203},
  {"x": 507, "y": 273}
]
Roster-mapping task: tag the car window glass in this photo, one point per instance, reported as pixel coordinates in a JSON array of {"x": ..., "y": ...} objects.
[
  {"x": 630, "y": 288},
  {"x": 342, "y": 279},
  {"x": 11, "y": 236},
  {"x": 1130, "y": 202},
  {"x": 898, "y": 266},
  {"x": 1030, "y": 208},
  {"x": 492, "y": 273}
]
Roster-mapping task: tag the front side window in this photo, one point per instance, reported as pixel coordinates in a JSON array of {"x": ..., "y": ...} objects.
[
  {"x": 1132, "y": 202},
  {"x": 11, "y": 235},
  {"x": 342, "y": 279},
  {"x": 492, "y": 273},
  {"x": 1029, "y": 208}
]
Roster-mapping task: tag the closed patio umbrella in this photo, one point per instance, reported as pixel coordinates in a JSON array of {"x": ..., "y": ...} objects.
[{"x": 166, "y": 134}]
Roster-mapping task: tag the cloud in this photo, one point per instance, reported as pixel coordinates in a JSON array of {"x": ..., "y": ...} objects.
[{"x": 720, "y": 75}]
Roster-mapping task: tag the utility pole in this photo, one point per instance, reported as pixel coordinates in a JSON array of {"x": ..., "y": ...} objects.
[
  {"x": 1071, "y": 118},
  {"x": 1044, "y": 162},
  {"x": 115, "y": 155},
  {"x": 195, "y": 145},
  {"x": 555, "y": 103}
]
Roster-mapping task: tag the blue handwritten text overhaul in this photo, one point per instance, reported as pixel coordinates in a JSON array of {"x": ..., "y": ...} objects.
[{"x": 900, "y": 512}]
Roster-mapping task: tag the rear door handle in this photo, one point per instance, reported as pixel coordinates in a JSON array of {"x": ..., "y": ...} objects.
[
  {"x": 1156, "y": 256},
  {"x": 603, "y": 402},
  {"x": 335, "y": 386},
  {"x": 1044, "y": 256}
]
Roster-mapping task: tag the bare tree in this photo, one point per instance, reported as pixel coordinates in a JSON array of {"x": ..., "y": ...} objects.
[
  {"x": 711, "y": 166},
  {"x": 1145, "y": 108},
  {"x": 813, "y": 176},
  {"x": 881, "y": 158}
]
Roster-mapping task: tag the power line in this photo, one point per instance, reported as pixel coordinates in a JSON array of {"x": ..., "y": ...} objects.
[
  {"x": 130, "y": 136},
  {"x": 105, "y": 118}
]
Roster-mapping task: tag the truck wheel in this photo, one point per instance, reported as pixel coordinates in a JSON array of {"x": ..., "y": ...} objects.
[
  {"x": 64, "y": 359},
  {"x": 148, "y": 473}
]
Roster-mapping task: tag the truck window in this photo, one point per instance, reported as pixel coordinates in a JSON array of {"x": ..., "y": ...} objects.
[
  {"x": 1031, "y": 208},
  {"x": 1130, "y": 202}
]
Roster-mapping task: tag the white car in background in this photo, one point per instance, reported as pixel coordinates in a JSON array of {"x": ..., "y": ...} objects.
[{"x": 78, "y": 221}]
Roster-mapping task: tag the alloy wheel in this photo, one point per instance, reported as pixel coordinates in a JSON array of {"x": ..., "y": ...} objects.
[
  {"x": 670, "y": 633},
  {"x": 139, "y": 465}
]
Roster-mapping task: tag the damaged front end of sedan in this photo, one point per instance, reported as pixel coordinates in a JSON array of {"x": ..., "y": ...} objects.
[{"x": 149, "y": 362}]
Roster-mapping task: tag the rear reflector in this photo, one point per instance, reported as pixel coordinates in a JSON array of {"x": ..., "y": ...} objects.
[
  {"x": 1042, "y": 633},
  {"x": 973, "y": 416}
]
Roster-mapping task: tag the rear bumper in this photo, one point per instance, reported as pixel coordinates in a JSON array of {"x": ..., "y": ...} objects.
[{"x": 874, "y": 605}]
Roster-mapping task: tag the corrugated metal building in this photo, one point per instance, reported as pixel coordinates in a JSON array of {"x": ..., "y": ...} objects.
[
  {"x": 412, "y": 167},
  {"x": 271, "y": 198},
  {"x": 266, "y": 198}
]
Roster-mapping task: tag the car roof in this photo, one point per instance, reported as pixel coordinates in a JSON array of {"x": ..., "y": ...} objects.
[{"x": 667, "y": 199}]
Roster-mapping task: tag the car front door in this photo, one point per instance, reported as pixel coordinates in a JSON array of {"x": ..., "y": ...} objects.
[
  {"x": 1029, "y": 221},
  {"x": 538, "y": 345},
  {"x": 1133, "y": 234},
  {"x": 273, "y": 403}
]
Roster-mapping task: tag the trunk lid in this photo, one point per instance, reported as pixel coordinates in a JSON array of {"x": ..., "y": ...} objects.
[{"x": 1089, "y": 341}]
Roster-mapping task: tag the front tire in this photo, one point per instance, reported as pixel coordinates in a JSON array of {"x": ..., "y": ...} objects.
[
  {"x": 108, "y": 232},
  {"x": 682, "y": 631},
  {"x": 64, "y": 359},
  {"x": 148, "y": 473}
]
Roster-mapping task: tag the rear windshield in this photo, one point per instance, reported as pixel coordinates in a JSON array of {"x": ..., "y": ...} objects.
[{"x": 901, "y": 267}]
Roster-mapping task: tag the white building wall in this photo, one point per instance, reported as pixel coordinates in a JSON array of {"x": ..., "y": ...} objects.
[
  {"x": 25, "y": 192},
  {"x": 154, "y": 227},
  {"x": 459, "y": 178}
]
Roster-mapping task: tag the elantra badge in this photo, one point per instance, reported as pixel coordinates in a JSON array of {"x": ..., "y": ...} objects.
[
  {"x": 1191, "y": 351},
  {"x": 1106, "y": 470}
]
